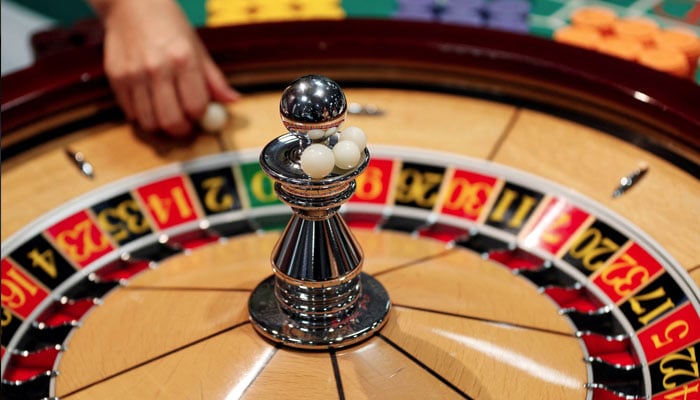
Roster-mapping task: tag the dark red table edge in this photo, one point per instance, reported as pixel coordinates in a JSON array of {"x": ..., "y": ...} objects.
[{"x": 664, "y": 109}]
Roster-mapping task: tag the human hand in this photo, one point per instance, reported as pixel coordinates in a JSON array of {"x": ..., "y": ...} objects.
[{"x": 160, "y": 72}]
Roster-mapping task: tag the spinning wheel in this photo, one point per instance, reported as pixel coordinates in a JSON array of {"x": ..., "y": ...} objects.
[{"x": 486, "y": 212}]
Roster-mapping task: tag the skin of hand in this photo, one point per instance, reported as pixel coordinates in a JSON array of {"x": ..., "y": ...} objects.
[{"x": 161, "y": 73}]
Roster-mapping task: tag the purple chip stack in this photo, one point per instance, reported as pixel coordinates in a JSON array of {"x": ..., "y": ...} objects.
[
  {"x": 507, "y": 15},
  {"x": 415, "y": 10},
  {"x": 464, "y": 12}
]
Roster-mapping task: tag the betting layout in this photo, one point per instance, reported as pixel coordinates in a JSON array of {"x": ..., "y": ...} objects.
[
  {"x": 510, "y": 15},
  {"x": 635, "y": 314},
  {"x": 554, "y": 19},
  {"x": 614, "y": 28}
]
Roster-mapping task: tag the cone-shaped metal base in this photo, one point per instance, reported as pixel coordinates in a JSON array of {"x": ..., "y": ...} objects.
[
  {"x": 314, "y": 251},
  {"x": 366, "y": 317}
]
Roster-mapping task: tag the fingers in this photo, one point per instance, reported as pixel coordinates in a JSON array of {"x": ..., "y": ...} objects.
[
  {"x": 124, "y": 99},
  {"x": 192, "y": 90},
  {"x": 134, "y": 89},
  {"x": 133, "y": 94},
  {"x": 171, "y": 92},
  {"x": 143, "y": 109},
  {"x": 167, "y": 105},
  {"x": 216, "y": 83},
  {"x": 160, "y": 96}
]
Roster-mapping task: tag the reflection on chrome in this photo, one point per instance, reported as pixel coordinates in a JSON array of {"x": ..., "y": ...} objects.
[{"x": 519, "y": 361}]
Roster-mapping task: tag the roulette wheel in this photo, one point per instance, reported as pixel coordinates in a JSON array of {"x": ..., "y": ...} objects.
[{"x": 530, "y": 208}]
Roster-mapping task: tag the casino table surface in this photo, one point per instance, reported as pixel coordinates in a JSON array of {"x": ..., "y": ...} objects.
[
  {"x": 542, "y": 18},
  {"x": 486, "y": 211}
]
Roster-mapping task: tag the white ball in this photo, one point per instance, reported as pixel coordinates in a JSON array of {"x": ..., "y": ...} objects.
[
  {"x": 356, "y": 135},
  {"x": 215, "y": 117},
  {"x": 346, "y": 153},
  {"x": 317, "y": 160}
]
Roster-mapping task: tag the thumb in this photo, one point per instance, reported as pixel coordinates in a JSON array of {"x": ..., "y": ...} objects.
[{"x": 216, "y": 83}]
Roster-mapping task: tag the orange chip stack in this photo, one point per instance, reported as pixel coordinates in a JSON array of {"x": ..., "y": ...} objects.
[
  {"x": 639, "y": 29},
  {"x": 666, "y": 59},
  {"x": 684, "y": 41},
  {"x": 578, "y": 36},
  {"x": 636, "y": 39},
  {"x": 597, "y": 18},
  {"x": 621, "y": 47}
]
